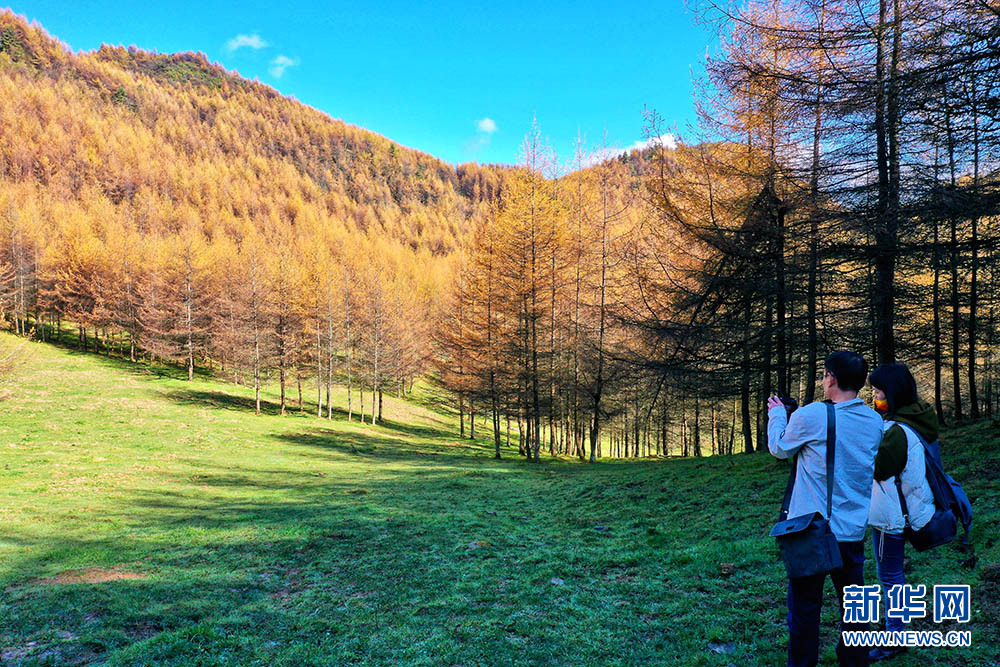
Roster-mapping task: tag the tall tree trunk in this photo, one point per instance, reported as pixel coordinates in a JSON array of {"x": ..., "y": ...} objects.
[
  {"x": 766, "y": 374},
  {"x": 329, "y": 363},
  {"x": 375, "y": 372},
  {"x": 697, "y": 427},
  {"x": 784, "y": 384},
  {"x": 885, "y": 223},
  {"x": 936, "y": 313},
  {"x": 685, "y": 433},
  {"x": 974, "y": 268},
  {"x": 716, "y": 441},
  {"x": 745, "y": 377},
  {"x": 956, "y": 380},
  {"x": 347, "y": 321},
  {"x": 812, "y": 280},
  {"x": 319, "y": 366},
  {"x": 732, "y": 432},
  {"x": 552, "y": 357}
]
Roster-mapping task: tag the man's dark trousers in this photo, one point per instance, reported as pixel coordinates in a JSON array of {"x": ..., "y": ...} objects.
[{"x": 805, "y": 601}]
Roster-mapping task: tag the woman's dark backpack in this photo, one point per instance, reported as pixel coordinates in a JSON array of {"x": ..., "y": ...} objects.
[{"x": 948, "y": 494}]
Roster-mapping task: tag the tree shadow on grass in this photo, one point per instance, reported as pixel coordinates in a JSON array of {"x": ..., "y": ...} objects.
[
  {"x": 385, "y": 447},
  {"x": 380, "y": 444},
  {"x": 69, "y": 344},
  {"x": 420, "y": 431},
  {"x": 227, "y": 401}
]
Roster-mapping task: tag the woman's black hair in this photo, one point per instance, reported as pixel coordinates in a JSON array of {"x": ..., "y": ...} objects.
[{"x": 896, "y": 381}]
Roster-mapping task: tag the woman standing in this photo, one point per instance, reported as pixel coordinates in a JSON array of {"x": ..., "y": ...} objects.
[{"x": 900, "y": 454}]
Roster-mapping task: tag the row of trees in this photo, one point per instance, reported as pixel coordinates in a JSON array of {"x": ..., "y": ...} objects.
[
  {"x": 841, "y": 193},
  {"x": 298, "y": 302},
  {"x": 537, "y": 335}
]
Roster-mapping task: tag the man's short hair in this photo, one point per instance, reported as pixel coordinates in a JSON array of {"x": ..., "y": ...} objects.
[{"x": 849, "y": 369}]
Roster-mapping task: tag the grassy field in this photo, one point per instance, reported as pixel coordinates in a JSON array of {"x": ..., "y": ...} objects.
[{"x": 148, "y": 520}]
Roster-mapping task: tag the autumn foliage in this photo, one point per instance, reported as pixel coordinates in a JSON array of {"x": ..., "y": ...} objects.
[{"x": 167, "y": 208}]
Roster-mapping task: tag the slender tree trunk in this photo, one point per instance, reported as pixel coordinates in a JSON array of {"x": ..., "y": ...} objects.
[
  {"x": 281, "y": 381},
  {"x": 461, "y": 415},
  {"x": 885, "y": 223},
  {"x": 732, "y": 432},
  {"x": 956, "y": 381},
  {"x": 745, "y": 378},
  {"x": 766, "y": 374},
  {"x": 784, "y": 385},
  {"x": 319, "y": 366},
  {"x": 521, "y": 449},
  {"x": 329, "y": 362},
  {"x": 347, "y": 322},
  {"x": 716, "y": 442},
  {"x": 256, "y": 372},
  {"x": 812, "y": 279},
  {"x": 496, "y": 416},
  {"x": 974, "y": 268},
  {"x": 685, "y": 434},
  {"x": 936, "y": 314},
  {"x": 697, "y": 427},
  {"x": 375, "y": 373}
]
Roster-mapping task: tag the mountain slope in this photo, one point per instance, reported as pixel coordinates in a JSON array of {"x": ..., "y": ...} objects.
[{"x": 160, "y": 132}]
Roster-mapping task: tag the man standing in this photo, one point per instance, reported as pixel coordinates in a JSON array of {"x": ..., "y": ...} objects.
[{"x": 803, "y": 436}]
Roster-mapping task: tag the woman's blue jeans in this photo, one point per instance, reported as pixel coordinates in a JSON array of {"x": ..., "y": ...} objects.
[{"x": 889, "y": 564}]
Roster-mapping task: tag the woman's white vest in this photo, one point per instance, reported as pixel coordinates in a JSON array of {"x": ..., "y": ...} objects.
[{"x": 885, "y": 512}]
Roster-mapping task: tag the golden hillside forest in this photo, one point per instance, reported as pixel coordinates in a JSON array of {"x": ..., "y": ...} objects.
[{"x": 839, "y": 192}]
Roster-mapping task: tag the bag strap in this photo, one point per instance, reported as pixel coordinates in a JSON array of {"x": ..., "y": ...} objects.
[
  {"x": 831, "y": 444},
  {"x": 831, "y": 439},
  {"x": 783, "y": 514},
  {"x": 929, "y": 456},
  {"x": 902, "y": 502}
]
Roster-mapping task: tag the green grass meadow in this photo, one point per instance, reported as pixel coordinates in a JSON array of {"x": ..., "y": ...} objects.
[{"x": 147, "y": 520}]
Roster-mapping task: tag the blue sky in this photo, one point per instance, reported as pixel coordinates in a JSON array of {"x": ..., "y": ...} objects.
[{"x": 459, "y": 80}]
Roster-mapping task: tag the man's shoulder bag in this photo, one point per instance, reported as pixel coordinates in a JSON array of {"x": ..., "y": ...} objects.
[{"x": 807, "y": 543}]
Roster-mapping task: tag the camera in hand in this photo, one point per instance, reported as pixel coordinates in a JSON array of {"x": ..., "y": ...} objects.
[{"x": 791, "y": 405}]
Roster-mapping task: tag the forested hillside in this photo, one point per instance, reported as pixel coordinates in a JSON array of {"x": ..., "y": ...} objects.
[{"x": 171, "y": 209}]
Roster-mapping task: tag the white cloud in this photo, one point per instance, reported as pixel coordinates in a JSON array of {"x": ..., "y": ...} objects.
[
  {"x": 667, "y": 140},
  {"x": 280, "y": 64},
  {"x": 485, "y": 127},
  {"x": 252, "y": 41},
  {"x": 601, "y": 154}
]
